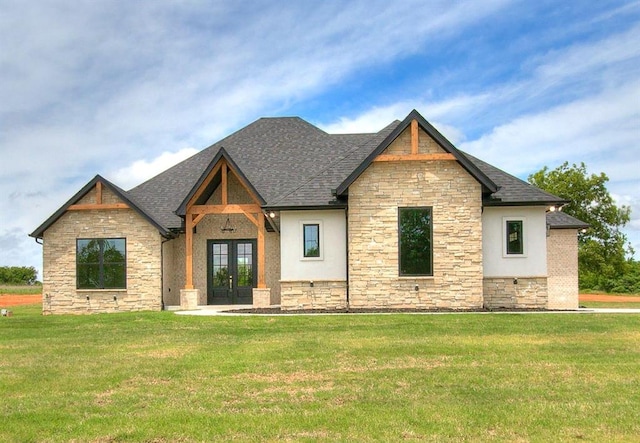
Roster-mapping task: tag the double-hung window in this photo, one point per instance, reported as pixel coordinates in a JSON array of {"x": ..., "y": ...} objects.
[
  {"x": 101, "y": 263},
  {"x": 415, "y": 232}
]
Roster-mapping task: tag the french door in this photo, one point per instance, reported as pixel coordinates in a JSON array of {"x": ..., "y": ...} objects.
[{"x": 231, "y": 270}]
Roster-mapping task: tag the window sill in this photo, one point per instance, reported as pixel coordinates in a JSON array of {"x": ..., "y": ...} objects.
[
  {"x": 415, "y": 277},
  {"x": 102, "y": 290}
]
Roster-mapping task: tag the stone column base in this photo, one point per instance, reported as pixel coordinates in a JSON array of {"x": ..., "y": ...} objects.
[
  {"x": 261, "y": 297},
  {"x": 189, "y": 299}
]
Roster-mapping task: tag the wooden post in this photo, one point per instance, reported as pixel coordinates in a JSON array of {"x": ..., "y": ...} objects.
[
  {"x": 414, "y": 136},
  {"x": 261, "y": 259},
  {"x": 98, "y": 193},
  {"x": 189, "y": 251},
  {"x": 225, "y": 194}
]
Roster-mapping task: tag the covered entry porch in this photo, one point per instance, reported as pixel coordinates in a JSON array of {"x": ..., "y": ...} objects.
[{"x": 229, "y": 252}]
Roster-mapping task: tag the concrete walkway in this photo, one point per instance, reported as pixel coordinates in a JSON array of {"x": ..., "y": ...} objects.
[{"x": 224, "y": 310}]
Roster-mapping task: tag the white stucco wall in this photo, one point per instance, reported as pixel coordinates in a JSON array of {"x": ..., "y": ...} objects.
[
  {"x": 332, "y": 265},
  {"x": 533, "y": 263}
]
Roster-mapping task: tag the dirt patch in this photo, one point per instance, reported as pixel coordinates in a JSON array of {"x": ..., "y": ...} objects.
[
  {"x": 8, "y": 300},
  {"x": 610, "y": 298}
]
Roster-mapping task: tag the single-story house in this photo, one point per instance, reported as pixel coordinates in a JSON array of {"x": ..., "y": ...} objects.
[{"x": 283, "y": 213}]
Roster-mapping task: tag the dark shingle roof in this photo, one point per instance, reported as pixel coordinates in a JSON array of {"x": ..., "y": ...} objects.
[
  {"x": 293, "y": 164},
  {"x": 511, "y": 190},
  {"x": 561, "y": 220}
]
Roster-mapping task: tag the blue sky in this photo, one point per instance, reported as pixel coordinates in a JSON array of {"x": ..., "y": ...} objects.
[{"x": 126, "y": 89}]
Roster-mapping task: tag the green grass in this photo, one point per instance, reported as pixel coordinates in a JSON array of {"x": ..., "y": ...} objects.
[
  {"x": 614, "y": 305},
  {"x": 460, "y": 377},
  {"x": 21, "y": 289}
]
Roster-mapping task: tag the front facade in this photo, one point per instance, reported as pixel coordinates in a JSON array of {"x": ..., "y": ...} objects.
[{"x": 282, "y": 213}]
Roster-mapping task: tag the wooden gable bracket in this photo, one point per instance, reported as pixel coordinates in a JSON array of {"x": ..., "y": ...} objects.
[
  {"x": 98, "y": 204},
  {"x": 415, "y": 154},
  {"x": 196, "y": 213}
]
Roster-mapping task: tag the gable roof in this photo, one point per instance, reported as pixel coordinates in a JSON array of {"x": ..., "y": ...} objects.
[
  {"x": 121, "y": 194},
  {"x": 289, "y": 163},
  {"x": 222, "y": 154},
  {"x": 445, "y": 144}
]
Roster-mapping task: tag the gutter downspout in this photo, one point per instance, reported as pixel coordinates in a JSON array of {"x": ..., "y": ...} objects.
[
  {"x": 346, "y": 218},
  {"x": 162, "y": 272}
]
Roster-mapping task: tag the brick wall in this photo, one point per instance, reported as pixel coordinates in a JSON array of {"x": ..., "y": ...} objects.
[
  {"x": 456, "y": 200},
  {"x": 143, "y": 291},
  {"x": 562, "y": 265}
]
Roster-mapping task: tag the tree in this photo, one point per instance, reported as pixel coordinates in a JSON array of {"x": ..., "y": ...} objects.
[
  {"x": 18, "y": 275},
  {"x": 603, "y": 247}
]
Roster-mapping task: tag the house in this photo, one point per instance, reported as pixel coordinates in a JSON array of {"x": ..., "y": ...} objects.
[{"x": 282, "y": 213}]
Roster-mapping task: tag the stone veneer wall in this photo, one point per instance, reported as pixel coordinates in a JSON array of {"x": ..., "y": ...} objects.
[
  {"x": 562, "y": 266},
  {"x": 325, "y": 294},
  {"x": 144, "y": 288},
  {"x": 374, "y": 199},
  {"x": 528, "y": 293}
]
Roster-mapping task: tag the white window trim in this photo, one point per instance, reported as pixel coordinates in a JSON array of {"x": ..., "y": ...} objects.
[
  {"x": 300, "y": 244},
  {"x": 525, "y": 231}
]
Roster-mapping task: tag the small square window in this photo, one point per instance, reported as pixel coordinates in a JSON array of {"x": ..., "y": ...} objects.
[{"x": 311, "y": 241}]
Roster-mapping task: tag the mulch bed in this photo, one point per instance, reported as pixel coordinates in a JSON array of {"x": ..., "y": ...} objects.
[{"x": 272, "y": 311}]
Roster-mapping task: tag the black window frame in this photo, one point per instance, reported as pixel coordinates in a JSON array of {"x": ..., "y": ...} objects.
[
  {"x": 305, "y": 253},
  {"x": 519, "y": 240},
  {"x": 101, "y": 264},
  {"x": 402, "y": 268}
]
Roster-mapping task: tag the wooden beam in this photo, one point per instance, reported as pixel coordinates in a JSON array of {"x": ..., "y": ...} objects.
[
  {"x": 203, "y": 186},
  {"x": 261, "y": 252},
  {"x": 93, "y": 206},
  {"x": 197, "y": 219},
  {"x": 188, "y": 280},
  {"x": 252, "y": 218},
  {"x": 98, "y": 193},
  {"x": 414, "y": 137},
  {"x": 414, "y": 157},
  {"x": 224, "y": 184},
  {"x": 225, "y": 209}
]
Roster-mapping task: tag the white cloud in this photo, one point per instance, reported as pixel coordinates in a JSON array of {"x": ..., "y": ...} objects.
[{"x": 142, "y": 170}]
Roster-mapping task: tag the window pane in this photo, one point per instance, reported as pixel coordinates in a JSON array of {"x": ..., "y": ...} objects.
[
  {"x": 415, "y": 234},
  {"x": 88, "y": 276},
  {"x": 311, "y": 240},
  {"x": 515, "y": 243},
  {"x": 244, "y": 264},
  {"x": 114, "y": 276}
]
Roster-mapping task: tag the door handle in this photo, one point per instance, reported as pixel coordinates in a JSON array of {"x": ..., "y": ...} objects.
[{"x": 231, "y": 282}]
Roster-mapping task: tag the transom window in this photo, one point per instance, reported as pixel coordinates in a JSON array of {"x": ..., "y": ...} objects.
[
  {"x": 415, "y": 228},
  {"x": 101, "y": 263},
  {"x": 311, "y": 241},
  {"x": 515, "y": 237}
]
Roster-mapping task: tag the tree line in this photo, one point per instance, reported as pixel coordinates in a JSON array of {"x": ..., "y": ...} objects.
[
  {"x": 605, "y": 256},
  {"x": 18, "y": 275}
]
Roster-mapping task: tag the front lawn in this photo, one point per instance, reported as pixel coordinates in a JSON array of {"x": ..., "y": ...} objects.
[{"x": 456, "y": 377}]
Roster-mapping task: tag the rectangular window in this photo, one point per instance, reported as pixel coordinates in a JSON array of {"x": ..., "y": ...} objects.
[
  {"x": 311, "y": 234},
  {"x": 101, "y": 263},
  {"x": 515, "y": 237},
  {"x": 415, "y": 228}
]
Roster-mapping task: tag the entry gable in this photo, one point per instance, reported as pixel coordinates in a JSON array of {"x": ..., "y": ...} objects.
[
  {"x": 214, "y": 175},
  {"x": 435, "y": 147},
  {"x": 99, "y": 194}
]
